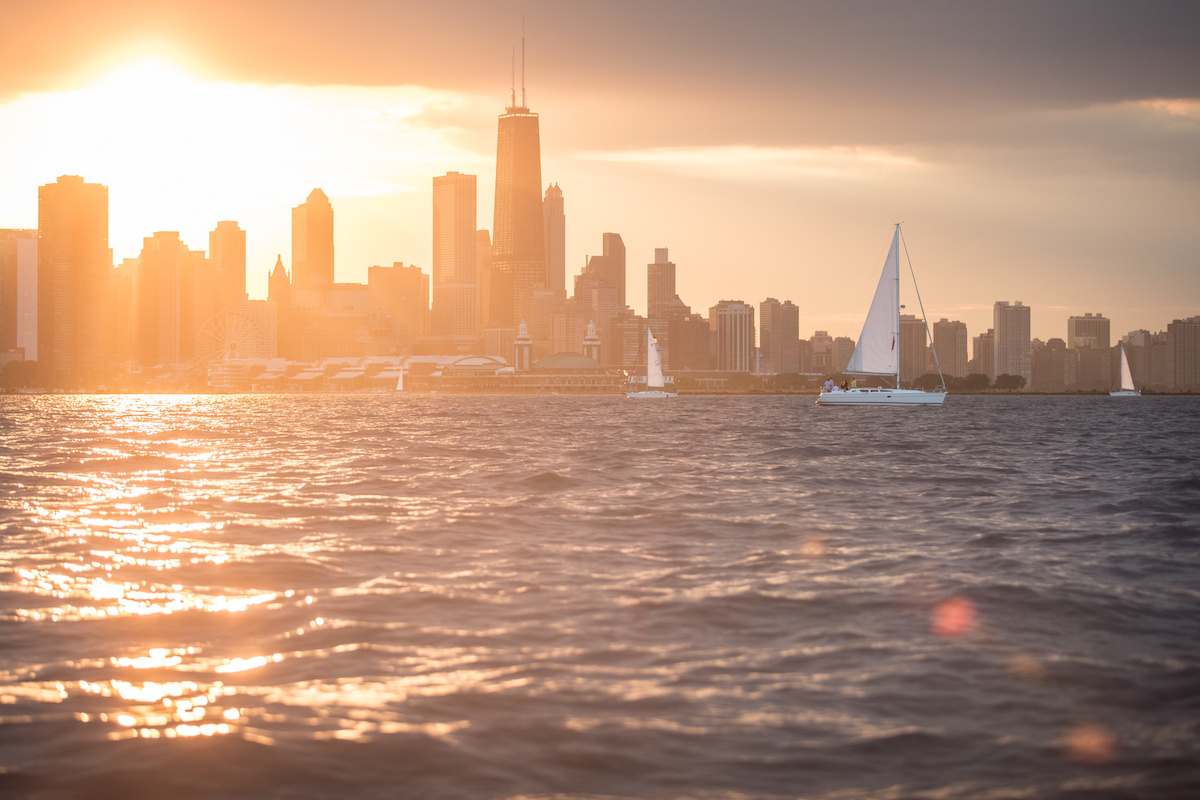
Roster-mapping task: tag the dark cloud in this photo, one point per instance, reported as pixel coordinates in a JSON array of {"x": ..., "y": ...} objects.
[
  {"x": 1078, "y": 52},
  {"x": 631, "y": 74}
]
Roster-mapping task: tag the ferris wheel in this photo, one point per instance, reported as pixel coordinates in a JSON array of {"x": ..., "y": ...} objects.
[{"x": 229, "y": 335}]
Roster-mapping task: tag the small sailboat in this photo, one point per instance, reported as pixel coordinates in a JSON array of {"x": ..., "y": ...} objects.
[
  {"x": 656, "y": 385},
  {"x": 1127, "y": 388},
  {"x": 878, "y": 350}
]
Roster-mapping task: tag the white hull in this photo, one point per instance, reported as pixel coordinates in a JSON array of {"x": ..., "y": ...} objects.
[
  {"x": 881, "y": 397},
  {"x": 1125, "y": 393},
  {"x": 650, "y": 394}
]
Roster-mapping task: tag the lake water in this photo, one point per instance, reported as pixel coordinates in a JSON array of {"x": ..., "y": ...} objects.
[{"x": 586, "y": 597}]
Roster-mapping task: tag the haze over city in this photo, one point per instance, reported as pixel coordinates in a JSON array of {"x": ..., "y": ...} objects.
[{"x": 1042, "y": 153}]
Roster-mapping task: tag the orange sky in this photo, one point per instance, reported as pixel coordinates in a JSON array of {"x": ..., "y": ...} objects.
[{"x": 769, "y": 145}]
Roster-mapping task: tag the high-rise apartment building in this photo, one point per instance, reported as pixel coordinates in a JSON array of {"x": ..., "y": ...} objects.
[
  {"x": 820, "y": 346},
  {"x": 1011, "y": 343},
  {"x": 733, "y": 322},
  {"x": 18, "y": 291},
  {"x": 162, "y": 276},
  {"x": 983, "y": 359},
  {"x": 312, "y": 242},
  {"x": 842, "y": 352},
  {"x": 1089, "y": 335},
  {"x": 483, "y": 278},
  {"x": 1183, "y": 354},
  {"x": 950, "y": 341},
  {"x": 913, "y": 339},
  {"x": 607, "y": 269},
  {"x": 455, "y": 257},
  {"x": 518, "y": 238},
  {"x": 554, "y": 226},
  {"x": 401, "y": 294},
  {"x": 74, "y": 266},
  {"x": 1089, "y": 331},
  {"x": 779, "y": 336},
  {"x": 660, "y": 284},
  {"x": 227, "y": 252}
]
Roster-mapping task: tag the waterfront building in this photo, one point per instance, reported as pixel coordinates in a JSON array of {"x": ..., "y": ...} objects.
[
  {"x": 983, "y": 354},
  {"x": 227, "y": 252},
  {"x": 554, "y": 227},
  {"x": 312, "y": 242},
  {"x": 1053, "y": 366},
  {"x": 163, "y": 269},
  {"x": 1091, "y": 331},
  {"x": 279, "y": 292},
  {"x": 821, "y": 349},
  {"x": 660, "y": 284},
  {"x": 913, "y": 341},
  {"x": 841, "y": 352},
  {"x": 733, "y": 323},
  {"x": 1089, "y": 335},
  {"x": 1183, "y": 354},
  {"x": 691, "y": 342},
  {"x": 74, "y": 264},
  {"x": 1011, "y": 339},
  {"x": 18, "y": 291},
  {"x": 398, "y": 301},
  {"x": 950, "y": 341},
  {"x": 778, "y": 336},
  {"x": 518, "y": 237},
  {"x": 455, "y": 313}
]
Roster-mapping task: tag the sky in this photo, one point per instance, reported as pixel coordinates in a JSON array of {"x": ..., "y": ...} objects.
[{"x": 1041, "y": 152}]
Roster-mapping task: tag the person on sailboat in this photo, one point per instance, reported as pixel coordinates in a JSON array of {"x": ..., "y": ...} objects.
[{"x": 829, "y": 384}]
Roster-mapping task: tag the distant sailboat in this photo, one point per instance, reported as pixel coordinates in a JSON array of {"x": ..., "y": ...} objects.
[
  {"x": 400, "y": 381},
  {"x": 1127, "y": 388},
  {"x": 655, "y": 382},
  {"x": 878, "y": 350}
]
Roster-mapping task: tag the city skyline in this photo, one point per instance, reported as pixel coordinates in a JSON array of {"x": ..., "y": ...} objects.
[{"x": 800, "y": 218}]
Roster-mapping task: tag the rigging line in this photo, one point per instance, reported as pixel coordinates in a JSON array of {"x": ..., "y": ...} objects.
[{"x": 933, "y": 349}]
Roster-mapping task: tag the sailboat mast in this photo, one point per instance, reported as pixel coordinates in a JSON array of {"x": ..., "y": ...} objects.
[{"x": 896, "y": 330}]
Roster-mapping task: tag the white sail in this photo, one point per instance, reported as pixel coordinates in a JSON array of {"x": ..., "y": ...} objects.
[
  {"x": 878, "y": 351},
  {"x": 654, "y": 372},
  {"x": 1126, "y": 375}
]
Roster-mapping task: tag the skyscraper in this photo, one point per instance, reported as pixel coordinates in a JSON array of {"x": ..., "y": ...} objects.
[
  {"x": 312, "y": 242},
  {"x": 227, "y": 252},
  {"x": 18, "y": 291},
  {"x": 983, "y": 359},
  {"x": 518, "y": 241},
  {"x": 554, "y": 222},
  {"x": 912, "y": 347},
  {"x": 660, "y": 284},
  {"x": 733, "y": 322},
  {"x": 455, "y": 262},
  {"x": 950, "y": 341},
  {"x": 1011, "y": 324},
  {"x": 74, "y": 263},
  {"x": 1090, "y": 330},
  {"x": 162, "y": 269}
]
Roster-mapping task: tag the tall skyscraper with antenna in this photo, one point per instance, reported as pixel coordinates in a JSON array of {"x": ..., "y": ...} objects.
[{"x": 518, "y": 246}]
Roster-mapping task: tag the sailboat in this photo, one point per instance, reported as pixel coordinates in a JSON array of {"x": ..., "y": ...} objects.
[
  {"x": 878, "y": 350},
  {"x": 1127, "y": 388},
  {"x": 655, "y": 382}
]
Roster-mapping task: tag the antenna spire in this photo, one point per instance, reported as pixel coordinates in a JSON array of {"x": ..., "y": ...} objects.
[
  {"x": 523, "y": 61},
  {"x": 513, "y": 98}
]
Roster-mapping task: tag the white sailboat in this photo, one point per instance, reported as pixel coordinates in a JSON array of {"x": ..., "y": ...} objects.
[
  {"x": 878, "y": 350},
  {"x": 656, "y": 385},
  {"x": 1127, "y": 388}
]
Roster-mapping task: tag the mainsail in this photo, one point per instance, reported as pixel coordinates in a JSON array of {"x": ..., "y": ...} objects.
[
  {"x": 1126, "y": 375},
  {"x": 878, "y": 348},
  {"x": 654, "y": 373}
]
